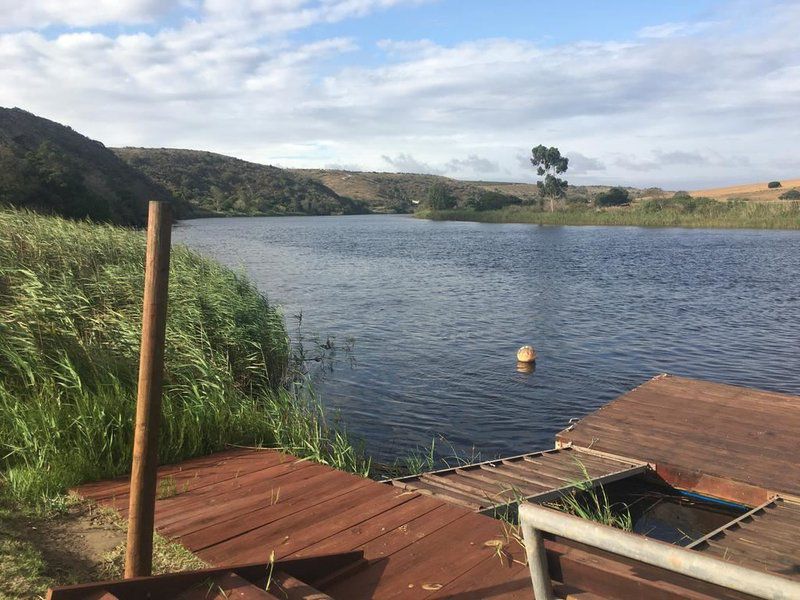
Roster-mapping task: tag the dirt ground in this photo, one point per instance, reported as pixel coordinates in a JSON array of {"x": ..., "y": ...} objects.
[
  {"x": 84, "y": 543},
  {"x": 36, "y": 552}
]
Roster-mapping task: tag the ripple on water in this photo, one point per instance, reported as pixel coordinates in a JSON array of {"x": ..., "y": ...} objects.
[{"x": 438, "y": 310}]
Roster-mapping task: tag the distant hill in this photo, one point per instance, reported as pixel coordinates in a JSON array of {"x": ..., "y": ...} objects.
[
  {"x": 50, "y": 168},
  {"x": 529, "y": 192},
  {"x": 399, "y": 192},
  {"x": 227, "y": 185},
  {"x": 750, "y": 191}
]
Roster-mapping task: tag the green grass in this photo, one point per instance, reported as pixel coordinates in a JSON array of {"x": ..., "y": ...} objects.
[
  {"x": 694, "y": 212},
  {"x": 70, "y": 314},
  {"x": 591, "y": 502}
]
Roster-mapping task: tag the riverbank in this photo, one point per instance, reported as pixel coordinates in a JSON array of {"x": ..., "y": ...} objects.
[
  {"x": 70, "y": 318},
  {"x": 693, "y": 213},
  {"x": 70, "y": 312}
]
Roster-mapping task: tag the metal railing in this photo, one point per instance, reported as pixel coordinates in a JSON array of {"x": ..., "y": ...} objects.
[{"x": 535, "y": 519}]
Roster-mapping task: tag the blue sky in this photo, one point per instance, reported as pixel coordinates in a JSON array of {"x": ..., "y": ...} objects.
[
  {"x": 672, "y": 93},
  {"x": 453, "y": 21}
]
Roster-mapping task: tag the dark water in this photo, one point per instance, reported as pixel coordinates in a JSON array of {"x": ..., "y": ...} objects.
[{"x": 438, "y": 310}]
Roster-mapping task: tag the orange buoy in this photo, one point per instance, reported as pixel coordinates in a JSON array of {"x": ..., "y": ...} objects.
[{"x": 526, "y": 354}]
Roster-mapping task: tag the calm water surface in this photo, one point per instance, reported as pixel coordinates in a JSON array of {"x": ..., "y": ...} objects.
[{"x": 437, "y": 311}]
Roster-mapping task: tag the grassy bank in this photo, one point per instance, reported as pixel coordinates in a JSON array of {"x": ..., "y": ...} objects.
[
  {"x": 695, "y": 213},
  {"x": 70, "y": 312}
]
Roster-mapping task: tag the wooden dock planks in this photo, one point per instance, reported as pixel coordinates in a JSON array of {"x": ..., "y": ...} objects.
[
  {"x": 767, "y": 540},
  {"x": 411, "y": 545},
  {"x": 694, "y": 430},
  {"x": 422, "y": 536},
  {"x": 241, "y": 506},
  {"x": 538, "y": 477}
]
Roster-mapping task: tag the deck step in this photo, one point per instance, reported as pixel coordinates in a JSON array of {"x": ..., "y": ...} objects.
[
  {"x": 291, "y": 588},
  {"x": 228, "y": 586},
  {"x": 537, "y": 477},
  {"x": 343, "y": 573}
]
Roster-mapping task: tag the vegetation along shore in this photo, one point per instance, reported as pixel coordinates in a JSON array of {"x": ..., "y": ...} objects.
[{"x": 674, "y": 212}]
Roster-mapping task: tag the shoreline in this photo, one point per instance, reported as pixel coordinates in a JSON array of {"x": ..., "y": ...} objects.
[{"x": 784, "y": 216}]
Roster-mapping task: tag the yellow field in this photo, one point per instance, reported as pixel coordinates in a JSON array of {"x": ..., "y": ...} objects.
[{"x": 751, "y": 191}]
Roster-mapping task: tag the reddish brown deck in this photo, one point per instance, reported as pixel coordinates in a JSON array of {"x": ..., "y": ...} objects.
[
  {"x": 239, "y": 506},
  {"x": 731, "y": 442}
]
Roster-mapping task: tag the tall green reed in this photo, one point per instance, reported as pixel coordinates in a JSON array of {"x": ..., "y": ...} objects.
[{"x": 70, "y": 314}]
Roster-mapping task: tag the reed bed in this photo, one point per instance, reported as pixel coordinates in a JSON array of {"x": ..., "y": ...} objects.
[
  {"x": 693, "y": 213},
  {"x": 70, "y": 314}
]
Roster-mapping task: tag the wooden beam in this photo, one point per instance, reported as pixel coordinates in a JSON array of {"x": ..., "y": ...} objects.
[
  {"x": 139, "y": 554},
  {"x": 730, "y": 524},
  {"x": 169, "y": 586}
]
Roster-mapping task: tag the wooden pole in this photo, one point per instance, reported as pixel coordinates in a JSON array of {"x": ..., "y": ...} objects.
[{"x": 139, "y": 555}]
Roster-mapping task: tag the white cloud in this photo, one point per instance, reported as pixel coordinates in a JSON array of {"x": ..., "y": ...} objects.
[
  {"x": 580, "y": 164},
  {"x": 646, "y": 111},
  {"x": 405, "y": 163},
  {"x": 81, "y": 13},
  {"x": 670, "y": 30},
  {"x": 472, "y": 164}
]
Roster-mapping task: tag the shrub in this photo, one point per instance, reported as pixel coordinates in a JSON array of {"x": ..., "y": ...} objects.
[
  {"x": 774, "y": 184},
  {"x": 577, "y": 201},
  {"x": 686, "y": 204},
  {"x": 793, "y": 194},
  {"x": 616, "y": 196},
  {"x": 489, "y": 200},
  {"x": 681, "y": 195},
  {"x": 440, "y": 198},
  {"x": 652, "y": 192}
]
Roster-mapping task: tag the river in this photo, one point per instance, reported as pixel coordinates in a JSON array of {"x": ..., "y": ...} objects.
[{"x": 437, "y": 311}]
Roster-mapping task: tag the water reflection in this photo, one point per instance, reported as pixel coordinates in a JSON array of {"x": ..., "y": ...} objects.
[{"x": 526, "y": 367}]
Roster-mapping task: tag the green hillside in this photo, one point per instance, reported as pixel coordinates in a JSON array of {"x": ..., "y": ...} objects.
[
  {"x": 48, "y": 167},
  {"x": 227, "y": 185},
  {"x": 401, "y": 192}
]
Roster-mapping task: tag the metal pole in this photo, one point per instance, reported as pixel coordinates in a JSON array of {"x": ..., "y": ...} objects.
[
  {"x": 537, "y": 562},
  {"x": 656, "y": 553},
  {"x": 139, "y": 554}
]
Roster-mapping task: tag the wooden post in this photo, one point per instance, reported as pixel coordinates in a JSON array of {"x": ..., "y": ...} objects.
[{"x": 139, "y": 555}]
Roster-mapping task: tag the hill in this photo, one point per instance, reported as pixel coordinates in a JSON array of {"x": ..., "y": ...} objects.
[
  {"x": 397, "y": 192},
  {"x": 226, "y": 185},
  {"x": 529, "y": 192},
  {"x": 401, "y": 192},
  {"x": 48, "y": 167},
  {"x": 750, "y": 191}
]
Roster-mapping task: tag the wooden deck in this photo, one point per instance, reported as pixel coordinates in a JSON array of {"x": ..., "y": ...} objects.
[
  {"x": 240, "y": 506},
  {"x": 424, "y": 536},
  {"x": 730, "y": 442},
  {"x": 538, "y": 477}
]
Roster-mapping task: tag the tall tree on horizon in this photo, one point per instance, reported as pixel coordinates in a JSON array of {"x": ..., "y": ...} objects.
[{"x": 549, "y": 163}]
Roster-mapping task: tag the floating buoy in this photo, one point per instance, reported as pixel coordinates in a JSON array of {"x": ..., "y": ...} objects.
[{"x": 526, "y": 354}]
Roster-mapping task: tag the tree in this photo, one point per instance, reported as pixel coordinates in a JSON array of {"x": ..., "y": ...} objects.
[
  {"x": 440, "y": 198},
  {"x": 549, "y": 163},
  {"x": 616, "y": 196}
]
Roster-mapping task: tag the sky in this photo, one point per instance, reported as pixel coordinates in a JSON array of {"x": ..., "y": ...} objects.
[{"x": 670, "y": 93}]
